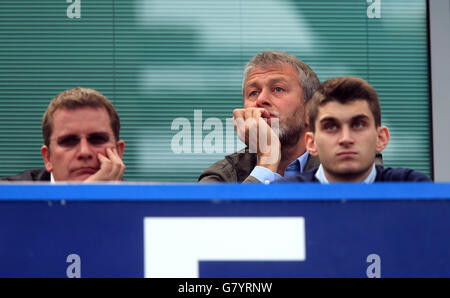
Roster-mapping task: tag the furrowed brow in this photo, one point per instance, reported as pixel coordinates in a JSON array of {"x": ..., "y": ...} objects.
[
  {"x": 251, "y": 85},
  {"x": 277, "y": 80}
]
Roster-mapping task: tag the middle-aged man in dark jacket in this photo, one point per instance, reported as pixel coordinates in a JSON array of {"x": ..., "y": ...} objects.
[
  {"x": 81, "y": 140},
  {"x": 276, "y": 87}
]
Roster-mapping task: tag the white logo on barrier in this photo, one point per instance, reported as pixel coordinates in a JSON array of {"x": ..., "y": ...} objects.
[
  {"x": 173, "y": 246},
  {"x": 374, "y": 269},
  {"x": 74, "y": 269}
]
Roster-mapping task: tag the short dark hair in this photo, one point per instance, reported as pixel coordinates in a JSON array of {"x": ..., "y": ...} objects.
[
  {"x": 74, "y": 99},
  {"x": 343, "y": 90}
]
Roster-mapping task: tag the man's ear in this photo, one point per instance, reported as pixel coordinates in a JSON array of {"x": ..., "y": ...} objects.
[
  {"x": 310, "y": 144},
  {"x": 120, "y": 148},
  {"x": 383, "y": 138},
  {"x": 45, "y": 151}
]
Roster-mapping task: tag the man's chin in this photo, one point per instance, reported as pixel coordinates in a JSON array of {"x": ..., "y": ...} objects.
[
  {"x": 80, "y": 177},
  {"x": 350, "y": 170},
  {"x": 289, "y": 137},
  {"x": 82, "y": 174}
]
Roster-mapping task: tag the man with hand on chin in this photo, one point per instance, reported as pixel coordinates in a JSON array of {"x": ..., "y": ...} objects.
[
  {"x": 81, "y": 140},
  {"x": 275, "y": 88},
  {"x": 346, "y": 133}
]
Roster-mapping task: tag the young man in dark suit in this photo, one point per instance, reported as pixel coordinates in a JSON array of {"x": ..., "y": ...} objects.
[{"x": 346, "y": 133}]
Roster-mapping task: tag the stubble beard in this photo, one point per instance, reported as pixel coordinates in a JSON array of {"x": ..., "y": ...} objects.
[{"x": 289, "y": 136}]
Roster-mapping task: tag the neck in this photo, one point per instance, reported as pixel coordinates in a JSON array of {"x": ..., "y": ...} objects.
[{"x": 291, "y": 153}]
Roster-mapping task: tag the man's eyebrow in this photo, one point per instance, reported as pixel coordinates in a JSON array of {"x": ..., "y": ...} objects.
[
  {"x": 271, "y": 82},
  {"x": 93, "y": 134},
  {"x": 69, "y": 135},
  {"x": 277, "y": 79},
  {"x": 252, "y": 84},
  {"x": 357, "y": 117},
  {"x": 328, "y": 119},
  {"x": 360, "y": 117},
  {"x": 99, "y": 133}
]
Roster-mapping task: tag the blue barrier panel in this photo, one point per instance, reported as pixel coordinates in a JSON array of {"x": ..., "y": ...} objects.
[{"x": 226, "y": 230}]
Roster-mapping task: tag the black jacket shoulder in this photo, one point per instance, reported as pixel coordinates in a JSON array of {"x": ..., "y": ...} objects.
[
  {"x": 30, "y": 175},
  {"x": 383, "y": 175},
  {"x": 399, "y": 175},
  {"x": 307, "y": 176}
]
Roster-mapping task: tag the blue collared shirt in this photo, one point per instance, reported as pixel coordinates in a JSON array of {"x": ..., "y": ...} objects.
[
  {"x": 267, "y": 176},
  {"x": 320, "y": 175}
]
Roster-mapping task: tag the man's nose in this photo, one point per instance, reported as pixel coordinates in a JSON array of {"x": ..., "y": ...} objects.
[
  {"x": 85, "y": 150},
  {"x": 346, "y": 137},
  {"x": 264, "y": 98}
]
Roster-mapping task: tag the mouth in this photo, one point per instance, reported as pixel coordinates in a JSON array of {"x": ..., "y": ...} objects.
[
  {"x": 347, "y": 154},
  {"x": 268, "y": 115},
  {"x": 85, "y": 170}
]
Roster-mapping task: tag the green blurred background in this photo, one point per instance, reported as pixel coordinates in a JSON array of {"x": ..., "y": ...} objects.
[{"x": 158, "y": 60}]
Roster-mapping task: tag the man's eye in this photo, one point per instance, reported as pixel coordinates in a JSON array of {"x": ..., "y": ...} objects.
[
  {"x": 98, "y": 139},
  {"x": 253, "y": 93},
  {"x": 278, "y": 89},
  {"x": 330, "y": 127},
  {"x": 359, "y": 124},
  {"x": 69, "y": 141}
]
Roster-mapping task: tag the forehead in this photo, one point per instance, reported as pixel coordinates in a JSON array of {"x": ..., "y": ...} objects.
[
  {"x": 81, "y": 121},
  {"x": 283, "y": 71},
  {"x": 344, "y": 112}
]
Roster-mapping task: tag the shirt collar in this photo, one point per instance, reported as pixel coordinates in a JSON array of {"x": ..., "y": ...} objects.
[
  {"x": 297, "y": 166},
  {"x": 320, "y": 175},
  {"x": 303, "y": 159},
  {"x": 299, "y": 163}
]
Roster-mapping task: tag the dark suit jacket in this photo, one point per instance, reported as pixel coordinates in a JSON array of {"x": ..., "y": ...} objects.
[
  {"x": 383, "y": 175},
  {"x": 30, "y": 175}
]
